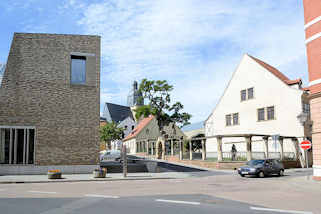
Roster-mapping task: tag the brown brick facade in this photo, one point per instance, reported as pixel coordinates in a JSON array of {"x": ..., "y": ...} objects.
[{"x": 36, "y": 91}]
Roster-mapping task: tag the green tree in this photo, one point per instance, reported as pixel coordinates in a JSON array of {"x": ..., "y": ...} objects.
[
  {"x": 110, "y": 132},
  {"x": 158, "y": 95}
]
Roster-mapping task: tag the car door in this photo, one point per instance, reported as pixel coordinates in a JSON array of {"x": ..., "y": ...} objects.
[{"x": 268, "y": 167}]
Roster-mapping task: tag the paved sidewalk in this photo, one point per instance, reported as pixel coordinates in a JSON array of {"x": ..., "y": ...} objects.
[{"x": 5, "y": 179}]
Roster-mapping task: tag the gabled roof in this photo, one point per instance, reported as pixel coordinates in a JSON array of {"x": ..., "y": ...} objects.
[
  {"x": 118, "y": 113},
  {"x": 143, "y": 123},
  {"x": 276, "y": 72}
]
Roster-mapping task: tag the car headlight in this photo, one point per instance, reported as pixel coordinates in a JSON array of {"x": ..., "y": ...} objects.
[{"x": 252, "y": 169}]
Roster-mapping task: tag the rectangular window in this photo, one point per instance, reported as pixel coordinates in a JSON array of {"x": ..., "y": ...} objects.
[
  {"x": 261, "y": 114},
  {"x": 270, "y": 113},
  {"x": 236, "y": 119},
  {"x": 243, "y": 95},
  {"x": 250, "y": 93},
  {"x": 78, "y": 69},
  {"x": 228, "y": 120}
]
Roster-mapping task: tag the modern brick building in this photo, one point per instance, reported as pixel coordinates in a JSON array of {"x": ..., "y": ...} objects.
[
  {"x": 312, "y": 17},
  {"x": 49, "y": 104}
]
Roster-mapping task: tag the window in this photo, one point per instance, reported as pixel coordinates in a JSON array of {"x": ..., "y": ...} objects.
[
  {"x": 260, "y": 114},
  {"x": 228, "y": 120},
  {"x": 270, "y": 113},
  {"x": 243, "y": 95},
  {"x": 17, "y": 145},
  {"x": 250, "y": 93},
  {"x": 78, "y": 69},
  {"x": 232, "y": 119},
  {"x": 235, "y": 119}
]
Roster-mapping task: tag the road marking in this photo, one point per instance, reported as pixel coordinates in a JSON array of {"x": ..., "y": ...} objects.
[
  {"x": 43, "y": 192},
  {"x": 280, "y": 211},
  {"x": 101, "y": 196},
  {"x": 178, "y": 202}
]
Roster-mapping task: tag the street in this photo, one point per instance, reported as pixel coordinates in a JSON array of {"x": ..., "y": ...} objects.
[{"x": 203, "y": 192}]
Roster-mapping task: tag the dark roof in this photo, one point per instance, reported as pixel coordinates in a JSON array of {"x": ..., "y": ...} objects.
[{"x": 118, "y": 113}]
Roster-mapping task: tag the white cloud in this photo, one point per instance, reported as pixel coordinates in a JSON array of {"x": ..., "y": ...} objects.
[{"x": 195, "y": 45}]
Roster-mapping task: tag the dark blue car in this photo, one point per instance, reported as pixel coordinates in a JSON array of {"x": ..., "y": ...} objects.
[{"x": 262, "y": 168}]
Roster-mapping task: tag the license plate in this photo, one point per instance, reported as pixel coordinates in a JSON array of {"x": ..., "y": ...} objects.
[{"x": 245, "y": 173}]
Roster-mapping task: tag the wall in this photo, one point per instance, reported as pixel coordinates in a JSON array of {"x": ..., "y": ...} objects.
[{"x": 37, "y": 92}]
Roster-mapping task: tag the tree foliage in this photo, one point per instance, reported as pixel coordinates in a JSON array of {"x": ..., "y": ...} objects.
[
  {"x": 158, "y": 95},
  {"x": 110, "y": 132}
]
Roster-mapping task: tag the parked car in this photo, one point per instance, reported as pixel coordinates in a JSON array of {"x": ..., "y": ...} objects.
[
  {"x": 262, "y": 168},
  {"x": 110, "y": 155}
]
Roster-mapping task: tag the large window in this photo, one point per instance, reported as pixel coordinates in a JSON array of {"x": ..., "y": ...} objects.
[
  {"x": 17, "y": 145},
  {"x": 78, "y": 69}
]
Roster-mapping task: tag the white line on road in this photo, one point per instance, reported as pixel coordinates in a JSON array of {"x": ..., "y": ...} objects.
[
  {"x": 178, "y": 202},
  {"x": 43, "y": 192},
  {"x": 280, "y": 211},
  {"x": 101, "y": 196}
]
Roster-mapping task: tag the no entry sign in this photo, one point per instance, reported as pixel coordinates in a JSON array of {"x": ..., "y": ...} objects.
[{"x": 306, "y": 144}]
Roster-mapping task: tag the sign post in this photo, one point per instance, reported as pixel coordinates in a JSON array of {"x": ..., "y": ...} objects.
[
  {"x": 124, "y": 154},
  {"x": 305, "y": 145}
]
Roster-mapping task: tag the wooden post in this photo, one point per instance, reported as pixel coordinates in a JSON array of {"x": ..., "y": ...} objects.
[
  {"x": 15, "y": 146},
  {"x": 203, "y": 149},
  {"x": 266, "y": 146},
  {"x": 219, "y": 149},
  {"x": 10, "y": 146},
  {"x": 147, "y": 147},
  {"x": 298, "y": 153},
  {"x": 248, "y": 141},
  {"x": 181, "y": 149},
  {"x": 152, "y": 148},
  {"x": 124, "y": 161},
  {"x": 163, "y": 150},
  {"x": 281, "y": 147},
  {"x": 172, "y": 147},
  {"x": 190, "y": 150},
  {"x": 27, "y": 152},
  {"x": 24, "y": 145}
]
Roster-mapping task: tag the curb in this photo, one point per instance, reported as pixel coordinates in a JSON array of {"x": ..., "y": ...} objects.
[{"x": 84, "y": 180}]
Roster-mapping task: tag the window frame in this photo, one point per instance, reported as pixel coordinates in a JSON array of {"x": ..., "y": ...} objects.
[
  {"x": 228, "y": 120},
  {"x": 238, "y": 121},
  {"x": 78, "y": 57},
  {"x": 249, "y": 93},
  {"x": 245, "y": 95},
  {"x": 258, "y": 114},
  {"x": 267, "y": 113}
]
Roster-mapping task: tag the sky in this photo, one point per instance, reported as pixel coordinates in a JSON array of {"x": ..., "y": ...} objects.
[{"x": 195, "y": 45}]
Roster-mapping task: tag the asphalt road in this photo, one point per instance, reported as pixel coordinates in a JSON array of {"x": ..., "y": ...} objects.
[
  {"x": 156, "y": 204},
  {"x": 202, "y": 193}
]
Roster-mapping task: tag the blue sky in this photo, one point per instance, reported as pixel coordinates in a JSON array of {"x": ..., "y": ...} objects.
[{"x": 194, "y": 44}]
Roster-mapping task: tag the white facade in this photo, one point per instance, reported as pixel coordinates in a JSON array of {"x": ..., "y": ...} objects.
[{"x": 269, "y": 90}]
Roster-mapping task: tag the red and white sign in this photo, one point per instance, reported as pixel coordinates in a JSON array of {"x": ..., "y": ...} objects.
[{"x": 306, "y": 144}]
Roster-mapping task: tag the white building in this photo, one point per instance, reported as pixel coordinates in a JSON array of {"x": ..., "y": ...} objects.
[{"x": 258, "y": 99}]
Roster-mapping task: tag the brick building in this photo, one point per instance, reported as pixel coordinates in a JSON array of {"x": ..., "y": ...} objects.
[
  {"x": 312, "y": 18},
  {"x": 49, "y": 104}
]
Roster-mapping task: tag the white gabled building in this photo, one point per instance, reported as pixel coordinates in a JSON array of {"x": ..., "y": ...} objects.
[{"x": 259, "y": 99}]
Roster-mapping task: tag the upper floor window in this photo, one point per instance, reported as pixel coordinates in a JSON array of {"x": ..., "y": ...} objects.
[
  {"x": 261, "y": 114},
  {"x": 243, "y": 95},
  {"x": 270, "y": 113},
  {"x": 232, "y": 119},
  {"x": 266, "y": 113},
  {"x": 250, "y": 93},
  {"x": 228, "y": 119},
  {"x": 247, "y": 94},
  {"x": 78, "y": 69}
]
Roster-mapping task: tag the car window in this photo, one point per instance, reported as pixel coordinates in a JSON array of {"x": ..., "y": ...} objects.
[{"x": 276, "y": 162}]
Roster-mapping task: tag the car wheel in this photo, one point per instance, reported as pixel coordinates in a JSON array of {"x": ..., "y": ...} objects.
[
  {"x": 261, "y": 174},
  {"x": 281, "y": 173}
]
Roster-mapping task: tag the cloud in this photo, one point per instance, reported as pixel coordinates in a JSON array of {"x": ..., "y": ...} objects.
[{"x": 194, "y": 45}]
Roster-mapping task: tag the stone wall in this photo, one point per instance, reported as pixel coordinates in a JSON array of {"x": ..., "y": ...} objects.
[{"x": 36, "y": 91}]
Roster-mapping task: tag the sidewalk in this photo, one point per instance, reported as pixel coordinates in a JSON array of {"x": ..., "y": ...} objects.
[{"x": 7, "y": 179}]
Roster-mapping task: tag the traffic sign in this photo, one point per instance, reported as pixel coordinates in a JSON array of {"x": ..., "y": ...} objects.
[{"x": 306, "y": 144}]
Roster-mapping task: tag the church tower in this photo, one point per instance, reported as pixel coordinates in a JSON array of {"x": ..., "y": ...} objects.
[
  {"x": 312, "y": 18},
  {"x": 135, "y": 98}
]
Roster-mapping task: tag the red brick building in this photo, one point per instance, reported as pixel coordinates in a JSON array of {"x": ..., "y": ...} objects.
[{"x": 312, "y": 18}]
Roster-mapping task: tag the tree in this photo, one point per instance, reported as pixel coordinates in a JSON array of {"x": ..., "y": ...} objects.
[
  {"x": 110, "y": 132},
  {"x": 158, "y": 95}
]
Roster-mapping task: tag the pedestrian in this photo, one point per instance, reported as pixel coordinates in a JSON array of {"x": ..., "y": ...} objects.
[{"x": 233, "y": 151}]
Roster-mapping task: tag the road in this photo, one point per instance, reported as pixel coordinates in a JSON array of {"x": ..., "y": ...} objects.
[{"x": 202, "y": 193}]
